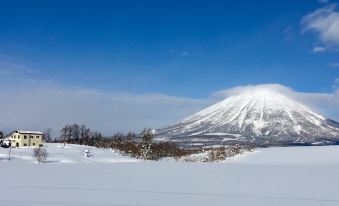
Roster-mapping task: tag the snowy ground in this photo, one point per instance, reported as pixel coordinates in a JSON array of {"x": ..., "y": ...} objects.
[
  {"x": 58, "y": 153},
  {"x": 273, "y": 176}
]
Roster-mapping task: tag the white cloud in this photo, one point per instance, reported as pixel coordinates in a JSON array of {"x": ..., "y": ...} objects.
[
  {"x": 239, "y": 89},
  {"x": 288, "y": 33},
  {"x": 171, "y": 51},
  {"x": 318, "y": 49},
  {"x": 325, "y": 23},
  {"x": 47, "y": 105},
  {"x": 12, "y": 70},
  {"x": 31, "y": 102},
  {"x": 323, "y": 1},
  {"x": 334, "y": 64},
  {"x": 336, "y": 84},
  {"x": 184, "y": 53},
  {"x": 44, "y": 106},
  {"x": 35, "y": 104}
]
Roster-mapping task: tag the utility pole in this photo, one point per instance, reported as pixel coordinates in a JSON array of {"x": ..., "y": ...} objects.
[{"x": 10, "y": 151}]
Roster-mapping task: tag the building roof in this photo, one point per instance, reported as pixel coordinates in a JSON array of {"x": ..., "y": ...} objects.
[{"x": 28, "y": 132}]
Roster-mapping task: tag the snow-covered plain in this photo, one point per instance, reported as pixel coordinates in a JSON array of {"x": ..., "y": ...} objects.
[{"x": 272, "y": 176}]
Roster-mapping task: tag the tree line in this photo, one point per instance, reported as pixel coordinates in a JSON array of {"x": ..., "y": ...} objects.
[{"x": 140, "y": 145}]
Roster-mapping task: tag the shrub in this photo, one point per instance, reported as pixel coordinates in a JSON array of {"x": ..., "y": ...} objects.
[
  {"x": 40, "y": 154},
  {"x": 218, "y": 154}
]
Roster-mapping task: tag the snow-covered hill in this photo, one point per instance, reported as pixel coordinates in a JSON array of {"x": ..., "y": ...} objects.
[{"x": 257, "y": 115}]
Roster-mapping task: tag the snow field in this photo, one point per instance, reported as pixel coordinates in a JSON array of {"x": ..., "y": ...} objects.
[{"x": 273, "y": 176}]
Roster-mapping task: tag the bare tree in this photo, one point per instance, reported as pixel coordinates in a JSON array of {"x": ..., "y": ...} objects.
[
  {"x": 66, "y": 133},
  {"x": 147, "y": 140},
  {"x": 40, "y": 154},
  {"x": 75, "y": 132},
  {"x": 48, "y": 135}
]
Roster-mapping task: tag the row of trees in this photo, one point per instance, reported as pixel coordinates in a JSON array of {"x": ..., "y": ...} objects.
[
  {"x": 78, "y": 134},
  {"x": 140, "y": 145},
  {"x": 217, "y": 154}
]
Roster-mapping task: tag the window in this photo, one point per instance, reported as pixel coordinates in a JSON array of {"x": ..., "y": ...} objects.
[
  {"x": 33, "y": 144},
  {"x": 31, "y": 137},
  {"x": 25, "y": 137},
  {"x": 37, "y": 137},
  {"x": 25, "y": 144},
  {"x": 19, "y": 137}
]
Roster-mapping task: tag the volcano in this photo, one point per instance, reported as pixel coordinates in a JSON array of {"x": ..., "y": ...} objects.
[{"x": 260, "y": 116}]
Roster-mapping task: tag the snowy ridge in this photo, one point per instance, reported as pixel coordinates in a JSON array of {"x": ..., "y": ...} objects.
[{"x": 258, "y": 113}]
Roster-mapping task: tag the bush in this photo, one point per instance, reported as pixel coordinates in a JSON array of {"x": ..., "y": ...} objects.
[
  {"x": 167, "y": 149},
  {"x": 218, "y": 154},
  {"x": 40, "y": 154},
  {"x": 215, "y": 154}
]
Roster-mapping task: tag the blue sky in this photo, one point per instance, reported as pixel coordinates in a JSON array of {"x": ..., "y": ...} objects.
[
  {"x": 184, "y": 49},
  {"x": 189, "y": 48}
]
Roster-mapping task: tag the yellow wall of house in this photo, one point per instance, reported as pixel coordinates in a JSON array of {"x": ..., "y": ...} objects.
[{"x": 26, "y": 140}]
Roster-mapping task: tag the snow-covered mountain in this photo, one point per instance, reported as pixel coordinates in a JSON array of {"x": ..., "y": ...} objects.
[{"x": 258, "y": 115}]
